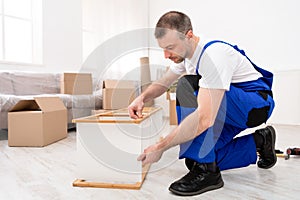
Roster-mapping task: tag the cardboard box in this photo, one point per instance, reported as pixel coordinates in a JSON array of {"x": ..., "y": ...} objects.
[
  {"x": 118, "y": 94},
  {"x": 172, "y": 108},
  {"x": 76, "y": 83},
  {"x": 37, "y": 122}
]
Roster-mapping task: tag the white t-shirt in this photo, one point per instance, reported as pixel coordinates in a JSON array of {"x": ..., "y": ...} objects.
[{"x": 220, "y": 65}]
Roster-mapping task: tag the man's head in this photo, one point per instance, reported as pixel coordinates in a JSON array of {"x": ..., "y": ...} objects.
[
  {"x": 173, "y": 20},
  {"x": 174, "y": 33}
]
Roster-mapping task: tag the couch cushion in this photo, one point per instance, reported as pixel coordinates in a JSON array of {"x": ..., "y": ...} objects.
[
  {"x": 6, "y": 86},
  {"x": 26, "y": 83}
]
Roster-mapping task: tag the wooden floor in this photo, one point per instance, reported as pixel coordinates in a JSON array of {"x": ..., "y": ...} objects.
[{"x": 48, "y": 173}]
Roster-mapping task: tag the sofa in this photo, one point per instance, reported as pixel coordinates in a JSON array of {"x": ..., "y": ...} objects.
[{"x": 15, "y": 86}]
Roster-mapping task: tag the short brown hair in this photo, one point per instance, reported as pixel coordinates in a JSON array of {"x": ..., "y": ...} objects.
[{"x": 173, "y": 20}]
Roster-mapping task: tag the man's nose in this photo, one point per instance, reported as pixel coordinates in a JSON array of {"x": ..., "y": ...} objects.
[{"x": 167, "y": 54}]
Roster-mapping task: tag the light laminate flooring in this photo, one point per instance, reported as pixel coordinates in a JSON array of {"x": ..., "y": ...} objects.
[{"x": 48, "y": 173}]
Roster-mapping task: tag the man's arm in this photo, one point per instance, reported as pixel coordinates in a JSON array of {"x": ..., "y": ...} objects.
[
  {"x": 154, "y": 90},
  {"x": 201, "y": 119}
]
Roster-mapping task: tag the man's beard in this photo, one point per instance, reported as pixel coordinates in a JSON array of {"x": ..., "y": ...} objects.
[{"x": 177, "y": 59}]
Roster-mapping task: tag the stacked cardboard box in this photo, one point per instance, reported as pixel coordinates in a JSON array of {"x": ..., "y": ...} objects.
[
  {"x": 77, "y": 83},
  {"x": 118, "y": 94}
]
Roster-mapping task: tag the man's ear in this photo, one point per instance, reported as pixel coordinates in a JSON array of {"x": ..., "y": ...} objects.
[{"x": 189, "y": 34}]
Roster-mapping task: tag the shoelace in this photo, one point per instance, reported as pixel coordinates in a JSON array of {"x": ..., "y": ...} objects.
[{"x": 192, "y": 176}]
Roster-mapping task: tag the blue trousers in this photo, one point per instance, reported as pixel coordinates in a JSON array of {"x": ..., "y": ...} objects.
[{"x": 238, "y": 111}]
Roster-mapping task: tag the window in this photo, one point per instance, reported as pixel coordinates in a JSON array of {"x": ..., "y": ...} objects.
[{"x": 21, "y": 31}]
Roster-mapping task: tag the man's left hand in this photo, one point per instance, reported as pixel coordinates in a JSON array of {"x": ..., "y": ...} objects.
[{"x": 151, "y": 154}]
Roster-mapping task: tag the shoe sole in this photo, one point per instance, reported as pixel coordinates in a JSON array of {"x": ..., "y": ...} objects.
[
  {"x": 272, "y": 130},
  {"x": 209, "y": 188}
]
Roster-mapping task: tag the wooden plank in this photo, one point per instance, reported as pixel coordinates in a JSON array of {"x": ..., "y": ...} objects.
[
  {"x": 116, "y": 113},
  {"x": 136, "y": 186},
  {"x": 83, "y": 183}
]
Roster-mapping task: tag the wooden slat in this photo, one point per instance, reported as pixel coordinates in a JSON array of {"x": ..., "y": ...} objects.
[
  {"x": 83, "y": 183},
  {"x": 136, "y": 186},
  {"x": 117, "y": 113}
]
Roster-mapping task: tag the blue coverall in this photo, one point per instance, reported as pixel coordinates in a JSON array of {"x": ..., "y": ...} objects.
[{"x": 245, "y": 105}]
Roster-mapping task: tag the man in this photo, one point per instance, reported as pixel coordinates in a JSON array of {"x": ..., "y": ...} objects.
[{"x": 223, "y": 94}]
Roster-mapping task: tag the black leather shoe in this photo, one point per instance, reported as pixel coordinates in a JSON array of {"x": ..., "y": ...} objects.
[
  {"x": 267, "y": 154},
  {"x": 197, "y": 181},
  {"x": 189, "y": 163}
]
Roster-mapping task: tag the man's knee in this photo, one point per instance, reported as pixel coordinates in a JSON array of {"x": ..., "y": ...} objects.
[
  {"x": 186, "y": 92},
  {"x": 188, "y": 82}
]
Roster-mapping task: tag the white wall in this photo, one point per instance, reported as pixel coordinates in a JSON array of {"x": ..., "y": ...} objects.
[
  {"x": 62, "y": 40},
  {"x": 268, "y": 30},
  {"x": 62, "y": 35},
  {"x": 286, "y": 89},
  {"x": 114, "y": 35}
]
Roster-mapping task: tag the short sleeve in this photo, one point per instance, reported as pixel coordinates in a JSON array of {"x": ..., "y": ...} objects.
[{"x": 215, "y": 69}]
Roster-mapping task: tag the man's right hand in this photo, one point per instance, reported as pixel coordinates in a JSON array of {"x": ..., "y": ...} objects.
[{"x": 135, "y": 109}]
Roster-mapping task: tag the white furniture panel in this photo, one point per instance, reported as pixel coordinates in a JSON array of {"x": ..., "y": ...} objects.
[{"x": 108, "y": 145}]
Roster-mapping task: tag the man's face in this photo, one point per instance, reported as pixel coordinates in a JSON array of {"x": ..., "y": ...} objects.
[{"x": 173, "y": 46}]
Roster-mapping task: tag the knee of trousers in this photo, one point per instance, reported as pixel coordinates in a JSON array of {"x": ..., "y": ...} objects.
[{"x": 186, "y": 91}]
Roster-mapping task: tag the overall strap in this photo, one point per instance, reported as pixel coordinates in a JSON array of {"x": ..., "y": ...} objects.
[{"x": 267, "y": 76}]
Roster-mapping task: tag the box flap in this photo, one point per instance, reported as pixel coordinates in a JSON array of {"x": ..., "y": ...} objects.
[
  {"x": 48, "y": 104},
  {"x": 25, "y": 105},
  {"x": 119, "y": 84}
]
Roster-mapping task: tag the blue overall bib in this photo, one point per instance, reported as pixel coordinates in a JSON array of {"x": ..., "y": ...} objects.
[{"x": 245, "y": 105}]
